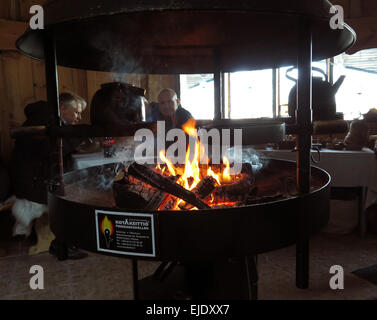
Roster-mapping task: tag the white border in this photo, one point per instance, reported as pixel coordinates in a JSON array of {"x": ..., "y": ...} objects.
[{"x": 153, "y": 254}]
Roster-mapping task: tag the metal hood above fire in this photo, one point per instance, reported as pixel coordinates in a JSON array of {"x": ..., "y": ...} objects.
[{"x": 184, "y": 36}]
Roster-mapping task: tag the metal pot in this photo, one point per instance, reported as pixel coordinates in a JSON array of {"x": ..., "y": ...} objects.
[
  {"x": 117, "y": 104},
  {"x": 323, "y": 97}
]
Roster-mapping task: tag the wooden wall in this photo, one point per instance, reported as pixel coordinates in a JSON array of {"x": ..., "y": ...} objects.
[{"x": 22, "y": 79}]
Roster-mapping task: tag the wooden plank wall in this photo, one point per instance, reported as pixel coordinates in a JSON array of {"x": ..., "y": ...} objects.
[{"x": 22, "y": 80}]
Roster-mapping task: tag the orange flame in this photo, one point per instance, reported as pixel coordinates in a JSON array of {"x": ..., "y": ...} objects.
[
  {"x": 168, "y": 163},
  {"x": 213, "y": 175},
  {"x": 107, "y": 224},
  {"x": 191, "y": 175},
  {"x": 189, "y": 128},
  {"x": 226, "y": 172}
]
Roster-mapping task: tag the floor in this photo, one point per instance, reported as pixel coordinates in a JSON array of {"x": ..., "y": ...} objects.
[{"x": 104, "y": 277}]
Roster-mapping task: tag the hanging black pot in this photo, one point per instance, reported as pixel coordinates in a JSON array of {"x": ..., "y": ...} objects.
[
  {"x": 117, "y": 104},
  {"x": 323, "y": 96}
]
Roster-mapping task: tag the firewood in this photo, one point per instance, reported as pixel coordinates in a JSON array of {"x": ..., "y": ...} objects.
[
  {"x": 203, "y": 189},
  {"x": 168, "y": 203},
  {"x": 154, "y": 179},
  {"x": 236, "y": 191},
  {"x": 133, "y": 194}
]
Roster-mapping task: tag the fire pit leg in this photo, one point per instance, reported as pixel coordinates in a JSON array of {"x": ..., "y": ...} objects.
[
  {"x": 135, "y": 279},
  {"x": 302, "y": 264},
  {"x": 61, "y": 250},
  {"x": 251, "y": 264}
]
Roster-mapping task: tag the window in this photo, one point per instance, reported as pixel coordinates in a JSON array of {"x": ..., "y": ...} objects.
[
  {"x": 358, "y": 92},
  {"x": 249, "y": 94},
  {"x": 197, "y": 95}
]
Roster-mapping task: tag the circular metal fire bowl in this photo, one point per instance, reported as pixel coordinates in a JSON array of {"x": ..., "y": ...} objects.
[{"x": 204, "y": 234}]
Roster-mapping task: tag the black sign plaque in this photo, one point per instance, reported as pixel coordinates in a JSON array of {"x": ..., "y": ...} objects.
[{"x": 125, "y": 233}]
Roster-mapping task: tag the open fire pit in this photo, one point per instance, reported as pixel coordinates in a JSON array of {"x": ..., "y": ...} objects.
[
  {"x": 194, "y": 216},
  {"x": 201, "y": 240},
  {"x": 268, "y": 222}
]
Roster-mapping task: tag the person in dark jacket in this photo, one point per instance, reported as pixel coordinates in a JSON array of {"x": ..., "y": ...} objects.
[
  {"x": 30, "y": 162},
  {"x": 29, "y": 169},
  {"x": 169, "y": 110}
]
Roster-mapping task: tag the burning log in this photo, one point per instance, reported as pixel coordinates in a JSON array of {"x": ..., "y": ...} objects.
[
  {"x": 203, "y": 189},
  {"x": 130, "y": 193},
  {"x": 237, "y": 191},
  {"x": 156, "y": 180},
  {"x": 168, "y": 203}
]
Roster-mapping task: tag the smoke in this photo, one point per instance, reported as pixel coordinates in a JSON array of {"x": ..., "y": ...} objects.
[
  {"x": 93, "y": 186},
  {"x": 107, "y": 176},
  {"x": 248, "y": 155},
  {"x": 99, "y": 177},
  {"x": 115, "y": 57}
]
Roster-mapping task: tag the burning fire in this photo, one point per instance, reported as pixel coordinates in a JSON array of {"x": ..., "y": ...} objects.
[{"x": 191, "y": 175}]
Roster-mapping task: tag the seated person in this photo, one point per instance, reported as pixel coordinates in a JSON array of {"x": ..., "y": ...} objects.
[
  {"x": 169, "y": 109},
  {"x": 30, "y": 159}
]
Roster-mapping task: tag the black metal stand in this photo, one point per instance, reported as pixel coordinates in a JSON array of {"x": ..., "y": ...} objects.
[
  {"x": 251, "y": 264},
  {"x": 200, "y": 280},
  {"x": 60, "y": 249},
  {"x": 56, "y": 172},
  {"x": 218, "y": 81},
  {"x": 304, "y": 123},
  {"x": 135, "y": 276}
]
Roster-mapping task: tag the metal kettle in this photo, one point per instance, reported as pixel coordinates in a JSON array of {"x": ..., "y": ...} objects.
[
  {"x": 117, "y": 104},
  {"x": 323, "y": 96}
]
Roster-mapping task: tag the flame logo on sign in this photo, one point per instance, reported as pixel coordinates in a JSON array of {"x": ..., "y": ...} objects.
[
  {"x": 106, "y": 224},
  {"x": 107, "y": 229}
]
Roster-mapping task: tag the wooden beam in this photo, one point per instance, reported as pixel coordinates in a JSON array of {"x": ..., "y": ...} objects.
[{"x": 10, "y": 31}]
